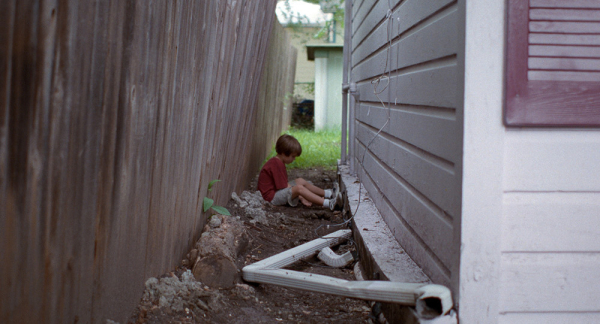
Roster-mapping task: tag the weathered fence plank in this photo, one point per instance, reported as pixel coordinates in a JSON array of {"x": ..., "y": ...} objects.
[{"x": 114, "y": 116}]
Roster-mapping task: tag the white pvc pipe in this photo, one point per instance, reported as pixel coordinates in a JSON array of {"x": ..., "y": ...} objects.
[
  {"x": 352, "y": 124},
  {"x": 348, "y": 68},
  {"x": 385, "y": 291},
  {"x": 333, "y": 260},
  {"x": 298, "y": 253},
  {"x": 345, "y": 84},
  {"x": 411, "y": 294}
]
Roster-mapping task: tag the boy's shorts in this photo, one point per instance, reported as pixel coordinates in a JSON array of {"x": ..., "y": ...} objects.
[{"x": 284, "y": 196}]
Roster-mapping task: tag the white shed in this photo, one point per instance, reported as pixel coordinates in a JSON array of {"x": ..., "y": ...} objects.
[
  {"x": 475, "y": 128},
  {"x": 328, "y": 84}
]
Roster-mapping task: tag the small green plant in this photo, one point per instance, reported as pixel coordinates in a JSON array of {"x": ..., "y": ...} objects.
[{"x": 209, "y": 203}]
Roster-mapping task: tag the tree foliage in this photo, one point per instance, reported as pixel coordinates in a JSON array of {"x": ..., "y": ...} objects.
[{"x": 334, "y": 6}]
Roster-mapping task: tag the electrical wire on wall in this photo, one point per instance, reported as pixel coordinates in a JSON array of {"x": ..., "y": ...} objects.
[{"x": 384, "y": 77}]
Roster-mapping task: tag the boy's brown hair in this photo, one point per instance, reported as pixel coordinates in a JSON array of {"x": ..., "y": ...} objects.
[{"x": 287, "y": 145}]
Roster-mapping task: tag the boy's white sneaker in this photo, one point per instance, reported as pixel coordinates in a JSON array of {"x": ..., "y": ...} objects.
[
  {"x": 335, "y": 190},
  {"x": 332, "y": 204},
  {"x": 337, "y": 200}
]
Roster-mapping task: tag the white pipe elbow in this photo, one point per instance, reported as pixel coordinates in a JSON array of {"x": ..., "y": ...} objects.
[{"x": 333, "y": 260}]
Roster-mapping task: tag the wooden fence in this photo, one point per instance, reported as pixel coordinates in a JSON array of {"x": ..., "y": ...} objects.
[{"x": 114, "y": 116}]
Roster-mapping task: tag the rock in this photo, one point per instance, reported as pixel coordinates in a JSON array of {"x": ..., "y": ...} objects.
[
  {"x": 253, "y": 205},
  {"x": 241, "y": 203},
  {"x": 163, "y": 301},
  {"x": 215, "y": 303},
  {"x": 214, "y": 222},
  {"x": 244, "y": 291},
  {"x": 178, "y": 305},
  {"x": 185, "y": 263},
  {"x": 229, "y": 239},
  {"x": 258, "y": 215},
  {"x": 202, "y": 305},
  {"x": 254, "y": 200},
  {"x": 172, "y": 294},
  {"x": 193, "y": 255}
]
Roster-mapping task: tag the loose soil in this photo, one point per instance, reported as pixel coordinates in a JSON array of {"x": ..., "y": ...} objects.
[{"x": 263, "y": 303}]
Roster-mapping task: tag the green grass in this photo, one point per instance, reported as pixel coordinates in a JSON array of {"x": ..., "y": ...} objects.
[{"x": 319, "y": 149}]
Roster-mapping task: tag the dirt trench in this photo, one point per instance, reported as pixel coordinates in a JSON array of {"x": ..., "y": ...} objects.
[{"x": 177, "y": 297}]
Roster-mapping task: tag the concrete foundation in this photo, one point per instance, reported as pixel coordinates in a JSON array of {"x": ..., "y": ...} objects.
[{"x": 381, "y": 256}]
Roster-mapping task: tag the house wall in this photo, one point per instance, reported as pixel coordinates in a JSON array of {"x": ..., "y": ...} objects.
[
  {"x": 550, "y": 232},
  {"x": 334, "y": 98},
  {"x": 321, "y": 91},
  {"x": 328, "y": 89},
  {"x": 409, "y": 78},
  {"x": 305, "y": 69},
  {"x": 531, "y": 201},
  {"x": 114, "y": 117},
  {"x": 482, "y": 203}
]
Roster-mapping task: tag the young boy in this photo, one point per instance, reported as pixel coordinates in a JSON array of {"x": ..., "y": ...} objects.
[{"x": 273, "y": 181}]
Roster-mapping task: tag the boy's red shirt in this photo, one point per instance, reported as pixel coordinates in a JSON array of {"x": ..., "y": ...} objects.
[{"x": 272, "y": 177}]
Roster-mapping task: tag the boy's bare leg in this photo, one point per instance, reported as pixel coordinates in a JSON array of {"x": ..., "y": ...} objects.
[
  {"x": 304, "y": 201},
  {"x": 314, "y": 189},
  {"x": 306, "y": 194}
]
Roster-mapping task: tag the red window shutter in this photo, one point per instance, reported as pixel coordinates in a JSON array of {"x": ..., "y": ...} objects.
[{"x": 553, "y": 63}]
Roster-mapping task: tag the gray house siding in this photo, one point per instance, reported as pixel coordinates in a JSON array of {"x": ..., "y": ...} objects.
[{"x": 406, "y": 69}]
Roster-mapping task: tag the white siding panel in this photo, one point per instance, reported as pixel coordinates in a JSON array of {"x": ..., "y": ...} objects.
[
  {"x": 427, "y": 220},
  {"x": 442, "y": 143},
  {"x": 546, "y": 160},
  {"x": 432, "y": 181},
  {"x": 559, "y": 222},
  {"x": 549, "y": 318},
  {"x": 550, "y": 282},
  {"x": 434, "y": 87},
  {"x": 433, "y": 41},
  {"x": 481, "y": 210}
]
